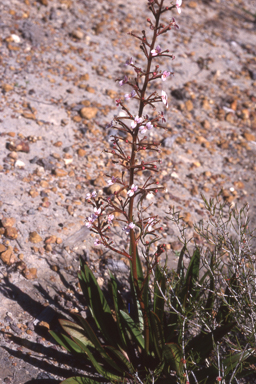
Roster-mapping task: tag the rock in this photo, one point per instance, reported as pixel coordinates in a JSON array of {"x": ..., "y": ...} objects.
[
  {"x": 19, "y": 164},
  {"x": 18, "y": 146},
  {"x": 230, "y": 117},
  {"x": 8, "y": 256},
  {"x": 2, "y": 248},
  {"x": 81, "y": 152},
  {"x": 249, "y": 136},
  {"x": 30, "y": 273},
  {"x": 44, "y": 2},
  {"x": 77, "y": 34},
  {"x": 28, "y": 115},
  {"x": 33, "y": 193},
  {"x": 35, "y": 238},
  {"x": 58, "y": 144},
  {"x": 11, "y": 233},
  {"x": 8, "y": 222},
  {"x": 88, "y": 112},
  {"x": 245, "y": 115},
  {"x": 192, "y": 4},
  {"x": 7, "y": 87},
  {"x": 50, "y": 240},
  {"x": 58, "y": 172}
]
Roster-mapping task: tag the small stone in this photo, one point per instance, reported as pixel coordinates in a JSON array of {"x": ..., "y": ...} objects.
[
  {"x": 8, "y": 256},
  {"x": 187, "y": 217},
  {"x": 239, "y": 184},
  {"x": 48, "y": 248},
  {"x": 78, "y": 34},
  {"x": 58, "y": 172},
  {"x": 58, "y": 240},
  {"x": 206, "y": 124},
  {"x": 11, "y": 233},
  {"x": 77, "y": 119},
  {"x": 249, "y": 136},
  {"x": 7, "y": 87},
  {"x": 13, "y": 155},
  {"x": 19, "y": 164},
  {"x": 81, "y": 152},
  {"x": 28, "y": 115},
  {"x": 58, "y": 144},
  {"x": 111, "y": 93},
  {"x": 206, "y": 105},
  {"x": 44, "y": 2},
  {"x": 33, "y": 193},
  {"x": 192, "y": 4},
  {"x": 194, "y": 191},
  {"x": 50, "y": 240},
  {"x": 2, "y": 248},
  {"x": 30, "y": 273},
  {"x": 84, "y": 77},
  {"x": 189, "y": 105},
  {"x": 55, "y": 268},
  {"x": 230, "y": 117},
  {"x": 34, "y": 237},
  {"x": 18, "y": 146},
  {"x": 245, "y": 114},
  {"x": 8, "y": 222},
  {"x": 88, "y": 112}
]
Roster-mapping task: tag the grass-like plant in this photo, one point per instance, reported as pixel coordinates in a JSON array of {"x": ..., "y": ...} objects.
[{"x": 171, "y": 333}]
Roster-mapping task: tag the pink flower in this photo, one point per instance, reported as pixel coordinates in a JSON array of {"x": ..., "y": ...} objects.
[
  {"x": 133, "y": 189},
  {"x": 112, "y": 181},
  {"x": 124, "y": 81},
  {"x": 165, "y": 75},
  {"x": 90, "y": 196},
  {"x": 164, "y": 99},
  {"x": 97, "y": 211},
  {"x": 136, "y": 121},
  {"x": 97, "y": 242},
  {"x": 90, "y": 220},
  {"x": 127, "y": 228},
  {"x": 144, "y": 129},
  {"x": 178, "y": 5},
  {"x": 110, "y": 218},
  {"x": 118, "y": 101},
  {"x": 129, "y": 61},
  {"x": 128, "y": 96},
  {"x": 156, "y": 51}
]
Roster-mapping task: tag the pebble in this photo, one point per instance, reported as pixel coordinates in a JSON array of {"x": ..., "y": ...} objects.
[
  {"x": 2, "y": 248},
  {"x": 11, "y": 233},
  {"x": 19, "y": 164},
  {"x": 18, "y": 146},
  {"x": 88, "y": 112},
  {"x": 7, "y": 87},
  {"x": 81, "y": 152},
  {"x": 8, "y": 222},
  {"x": 30, "y": 273},
  {"x": 78, "y": 34},
  {"x": 58, "y": 172},
  {"x": 249, "y": 136},
  {"x": 8, "y": 256},
  {"x": 34, "y": 237}
]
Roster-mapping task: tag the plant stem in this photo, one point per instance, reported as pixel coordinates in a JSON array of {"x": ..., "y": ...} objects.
[{"x": 133, "y": 245}]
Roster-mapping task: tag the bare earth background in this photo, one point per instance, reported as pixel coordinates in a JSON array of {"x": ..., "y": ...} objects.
[{"x": 58, "y": 63}]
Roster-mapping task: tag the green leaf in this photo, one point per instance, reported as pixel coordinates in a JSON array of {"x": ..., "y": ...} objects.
[
  {"x": 80, "y": 380},
  {"x": 191, "y": 276},
  {"x": 98, "y": 305},
  {"x": 173, "y": 355},
  {"x": 135, "y": 330},
  {"x": 118, "y": 305},
  {"x": 99, "y": 368},
  {"x": 160, "y": 282},
  {"x": 120, "y": 355},
  {"x": 76, "y": 330},
  {"x": 156, "y": 334},
  {"x": 66, "y": 342},
  {"x": 202, "y": 344},
  {"x": 180, "y": 267}
]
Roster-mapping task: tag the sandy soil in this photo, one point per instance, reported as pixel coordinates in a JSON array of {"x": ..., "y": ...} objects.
[{"x": 59, "y": 61}]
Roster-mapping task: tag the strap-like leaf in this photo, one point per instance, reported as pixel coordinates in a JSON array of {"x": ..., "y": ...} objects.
[
  {"x": 134, "y": 329},
  {"x": 81, "y": 380},
  {"x": 156, "y": 334},
  {"x": 173, "y": 355},
  {"x": 75, "y": 330},
  {"x": 160, "y": 282},
  {"x": 66, "y": 342},
  {"x": 99, "y": 307},
  {"x": 122, "y": 359}
]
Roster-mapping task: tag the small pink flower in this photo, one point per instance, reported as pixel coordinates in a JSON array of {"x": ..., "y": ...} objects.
[
  {"x": 112, "y": 181},
  {"x": 118, "y": 101},
  {"x": 164, "y": 99},
  {"x": 144, "y": 129},
  {"x": 124, "y": 81},
  {"x": 110, "y": 218},
  {"x": 136, "y": 121},
  {"x": 97, "y": 212},
  {"x": 90, "y": 220},
  {"x": 127, "y": 228},
  {"x": 128, "y": 96},
  {"x": 165, "y": 75},
  {"x": 97, "y": 242},
  {"x": 133, "y": 189},
  {"x": 156, "y": 51},
  {"x": 129, "y": 61},
  {"x": 178, "y": 5}
]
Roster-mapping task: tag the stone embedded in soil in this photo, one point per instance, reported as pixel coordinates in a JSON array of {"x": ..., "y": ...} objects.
[
  {"x": 88, "y": 112},
  {"x": 81, "y": 152},
  {"x": 78, "y": 34},
  {"x": 58, "y": 172},
  {"x": 189, "y": 105},
  {"x": 11, "y": 233},
  {"x": 2, "y": 248},
  {"x": 50, "y": 240},
  {"x": 30, "y": 273},
  {"x": 18, "y": 146},
  {"x": 7, "y": 87},
  {"x": 8, "y": 222},
  {"x": 34, "y": 237},
  {"x": 249, "y": 136},
  {"x": 8, "y": 256}
]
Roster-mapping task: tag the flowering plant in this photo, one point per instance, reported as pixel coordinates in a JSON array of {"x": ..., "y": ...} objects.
[{"x": 143, "y": 340}]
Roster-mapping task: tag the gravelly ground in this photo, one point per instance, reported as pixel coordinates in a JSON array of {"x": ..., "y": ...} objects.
[{"x": 61, "y": 56}]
